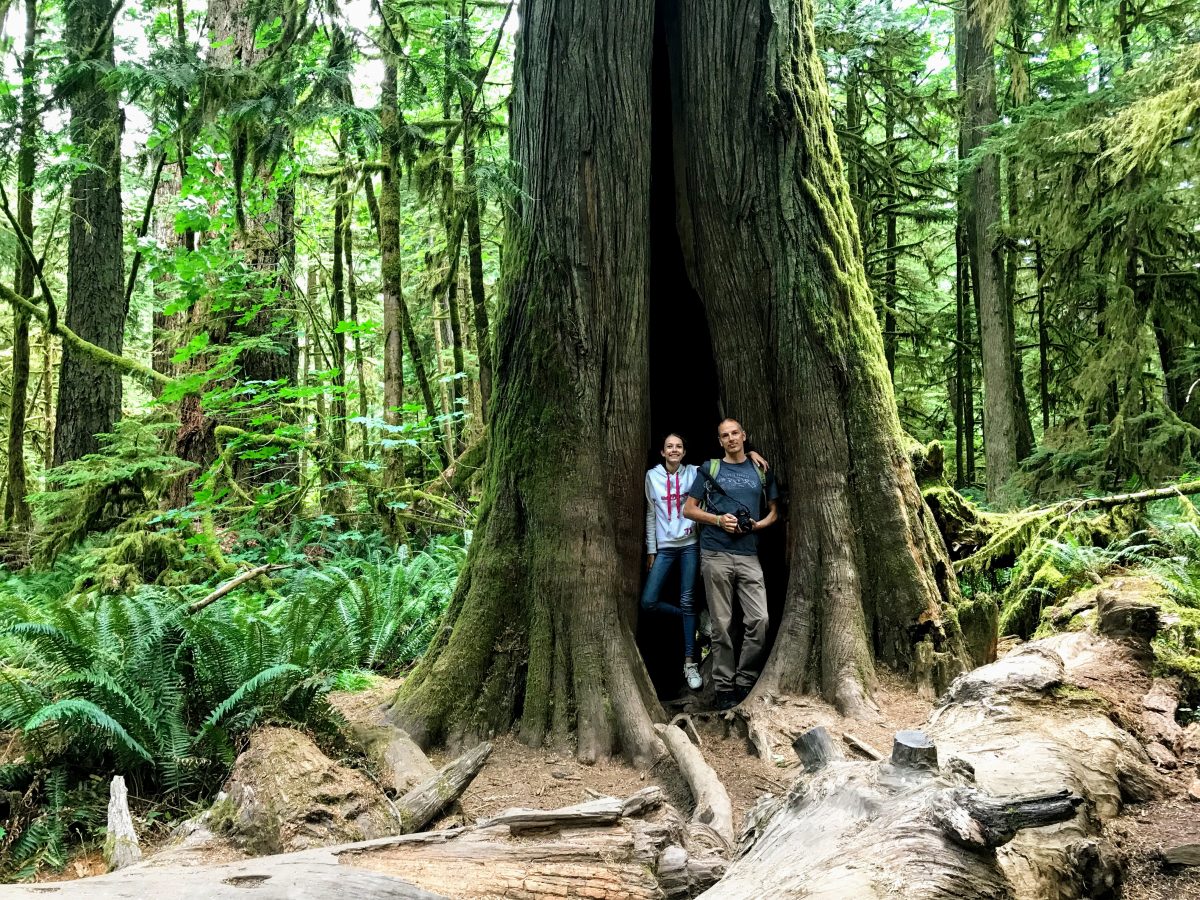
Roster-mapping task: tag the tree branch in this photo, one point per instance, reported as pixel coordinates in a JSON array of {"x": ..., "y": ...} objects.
[{"x": 123, "y": 364}]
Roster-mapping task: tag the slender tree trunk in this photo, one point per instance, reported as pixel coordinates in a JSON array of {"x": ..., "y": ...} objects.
[
  {"x": 962, "y": 360},
  {"x": 1000, "y": 426},
  {"x": 475, "y": 259},
  {"x": 360, "y": 366},
  {"x": 389, "y": 263},
  {"x": 48, "y": 398},
  {"x": 536, "y": 629},
  {"x": 892, "y": 197},
  {"x": 1043, "y": 337},
  {"x": 454, "y": 320},
  {"x": 16, "y": 508},
  {"x": 1020, "y": 402},
  {"x": 89, "y": 393}
]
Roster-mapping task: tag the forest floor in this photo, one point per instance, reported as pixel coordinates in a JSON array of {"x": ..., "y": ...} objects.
[{"x": 520, "y": 776}]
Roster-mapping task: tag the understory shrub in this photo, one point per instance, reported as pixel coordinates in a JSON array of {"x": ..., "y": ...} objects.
[{"x": 134, "y": 684}]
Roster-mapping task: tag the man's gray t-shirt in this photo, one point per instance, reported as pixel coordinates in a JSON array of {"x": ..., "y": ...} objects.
[{"x": 741, "y": 482}]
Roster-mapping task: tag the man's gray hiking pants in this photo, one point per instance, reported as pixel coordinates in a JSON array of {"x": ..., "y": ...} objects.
[{"x": 727, "y": 575}]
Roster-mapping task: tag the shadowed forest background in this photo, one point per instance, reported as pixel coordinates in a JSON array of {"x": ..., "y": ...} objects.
[{"x": 255, "y": 264}]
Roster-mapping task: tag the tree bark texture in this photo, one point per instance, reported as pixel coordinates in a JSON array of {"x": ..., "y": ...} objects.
[
  {"x": 982, "y": 196},
  {"x": 89, "y": 393},
  {"x": 16, "y": 509},
  {"x": 550, "y": 563},
  {"x": 538, "y": 631}
]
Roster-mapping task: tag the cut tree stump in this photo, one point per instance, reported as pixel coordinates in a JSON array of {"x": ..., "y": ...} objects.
[
  {"x": 816, "y": 749},
  {"x": 914, "y": 750},
  {"x": 120, "y": 843}
]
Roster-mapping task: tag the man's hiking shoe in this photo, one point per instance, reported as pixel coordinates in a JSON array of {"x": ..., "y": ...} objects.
[
  {"x": 741, "y": 692},
  {"x": 726, "y": 700},
  {"x": 691, "y": 672}
]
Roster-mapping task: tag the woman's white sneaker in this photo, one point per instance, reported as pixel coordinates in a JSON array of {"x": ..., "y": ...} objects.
[{"x": 691, "y": 672}]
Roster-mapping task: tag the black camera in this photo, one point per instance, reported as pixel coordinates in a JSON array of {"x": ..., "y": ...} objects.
[{"x": 745, "y": 521}]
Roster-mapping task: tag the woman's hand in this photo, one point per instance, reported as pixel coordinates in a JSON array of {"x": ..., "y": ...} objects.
[
  {"x": 759, "y": 460},
  {"x": 649, "y": 561}
]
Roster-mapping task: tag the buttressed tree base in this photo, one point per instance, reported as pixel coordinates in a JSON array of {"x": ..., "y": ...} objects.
[{"x": 539, "y": 633}]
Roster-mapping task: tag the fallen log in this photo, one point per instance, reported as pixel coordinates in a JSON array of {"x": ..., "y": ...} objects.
[
  {"x": 629, "y": 859},
  {"x": 712, "y": 800},
  {"x": 1001, "y": 796},
  {"x": 874, "y": 830},
  {"x": 418, "y": 807},
  {"x": 600, "y": 811}
]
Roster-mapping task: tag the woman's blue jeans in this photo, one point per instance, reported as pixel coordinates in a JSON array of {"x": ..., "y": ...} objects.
[{"x": 689, "y": 561}]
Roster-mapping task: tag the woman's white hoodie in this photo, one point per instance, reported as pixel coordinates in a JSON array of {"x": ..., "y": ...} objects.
[{"x": 666, "y": 492}]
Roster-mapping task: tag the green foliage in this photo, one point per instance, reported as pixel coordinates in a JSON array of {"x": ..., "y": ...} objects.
[
  {"x": 104, "y": 490},
  {"x": 130, "y": 683}
]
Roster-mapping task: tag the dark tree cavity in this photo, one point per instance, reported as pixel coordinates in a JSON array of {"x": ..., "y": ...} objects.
[{"x": 767, "y": 248}]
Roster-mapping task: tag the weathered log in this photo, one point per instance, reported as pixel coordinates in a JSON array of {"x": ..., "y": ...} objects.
[
  {"x": 1181, "y": 855},
  {"x": 601, "y": 811},
  {"x": 418, "y": 807},
  {"x": 398, "y": 763},
  {"x": 914, "y": 750},
  {"x": 120, "y": 843},
  {"x": 306, "y": 875},
  {"x": 816, "y": 749},
  {"x": 873, "y": 830},
  {"x": 712, "y": 800}
]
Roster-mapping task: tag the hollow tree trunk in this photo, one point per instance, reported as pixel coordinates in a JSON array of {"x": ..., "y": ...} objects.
[
  {"x": 771, "y": 245},
  {"x": 89, "y": 393}
]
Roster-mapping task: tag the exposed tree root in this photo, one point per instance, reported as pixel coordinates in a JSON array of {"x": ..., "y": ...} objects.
[{"x": 712, "y": 800}]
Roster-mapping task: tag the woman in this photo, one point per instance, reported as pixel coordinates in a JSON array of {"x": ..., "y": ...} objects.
[{"x": 671, "y": 538}]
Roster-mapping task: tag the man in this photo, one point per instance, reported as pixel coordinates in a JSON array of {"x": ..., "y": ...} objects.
[{"x": 734, "y": 494}]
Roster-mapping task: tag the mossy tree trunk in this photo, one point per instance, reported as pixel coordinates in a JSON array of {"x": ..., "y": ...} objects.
[
  {"x": 538, "y": 632},
  {"x": 16, "y": 507},
  {"x": 89, "y": 393}
]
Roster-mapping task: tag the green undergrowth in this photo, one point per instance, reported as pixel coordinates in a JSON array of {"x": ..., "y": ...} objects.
[
  {"x": 99, "y": 679},
  {"x": 1060, "y": 556}
]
